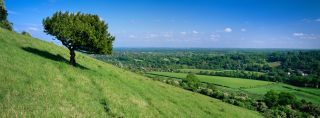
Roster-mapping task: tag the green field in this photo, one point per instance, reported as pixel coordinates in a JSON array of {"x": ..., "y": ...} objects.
[
  {"x": 37, "y": 81},
  {"x": 223, "y": 81},
  {"x": 308, "y": 94},
  {"x": 253, "y": 87},
  {"x": 199, "y": 70}
]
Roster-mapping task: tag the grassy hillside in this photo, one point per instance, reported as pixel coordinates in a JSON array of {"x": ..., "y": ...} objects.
[{"x": 36, "y": 81}]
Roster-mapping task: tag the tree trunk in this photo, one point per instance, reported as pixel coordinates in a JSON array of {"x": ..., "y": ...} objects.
[{"x": 72, "y": 57}]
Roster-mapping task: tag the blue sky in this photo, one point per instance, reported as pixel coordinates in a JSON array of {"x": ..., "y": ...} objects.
[{"x": 187, "y": 23}]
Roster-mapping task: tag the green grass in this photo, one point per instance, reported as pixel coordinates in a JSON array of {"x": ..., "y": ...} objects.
[
  {"x": 36, "y": 81},
  {"x": 308, "y": 94},
  {"x": 198, "y": 71},
  {"x": 254, "y": 88},
  {"x": 224, "y": 81},
  {"x": 311, "y": 90}
]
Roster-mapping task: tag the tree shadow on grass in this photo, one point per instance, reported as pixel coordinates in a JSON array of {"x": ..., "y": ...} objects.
[{"x": 51, "y": 56}]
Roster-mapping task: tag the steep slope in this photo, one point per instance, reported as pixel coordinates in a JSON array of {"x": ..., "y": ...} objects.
[{"x": 35, "y": 80}]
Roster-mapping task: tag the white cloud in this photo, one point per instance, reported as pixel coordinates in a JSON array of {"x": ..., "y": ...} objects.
[
  {"x": 308, "y": 20},
  {"x": 132, "y": 36},
  {"x": 215, "y": 37},
  {"x": 306, "y": 36},
  {"x": 183, "y": 33},
  {"x": 309, "y": 37},
  {"x": 153, "y": 35},
  {"x": 227, "y": 29},
  {"x": 298, "y": 34},
  {"x": 195, "y": 32},
  {"x": 33, "y": 29},
  {"x": 243, "y": 30},
  {"x": 149, "y": 36}
]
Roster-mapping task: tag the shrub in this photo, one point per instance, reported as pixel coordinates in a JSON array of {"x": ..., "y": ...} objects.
[
  {"x": 192, "y": 81},
  {"x": 26, "y": 33},
  {"x": 286, "y": 98},
  {"x": 261, "y": 106},
  {"x": 274, "y": 113},
  {"x": 6, "y": 25},
  {"x": 271, "y": 98},
  {"x": 220, "y": 95},
  {"x": 238, "y": 103},
  {"x": 206, "y": 91}
]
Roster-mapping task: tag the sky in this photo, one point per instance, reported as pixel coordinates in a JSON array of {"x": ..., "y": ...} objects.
[{"x": 186, "y": 23}]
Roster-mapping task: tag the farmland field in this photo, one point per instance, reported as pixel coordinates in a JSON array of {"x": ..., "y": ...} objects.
[
  {"x": 223, "y": 81},
  {"x": 308, "y": 94},
  {"x": 253, "y": 87},
  {"x": 199, "y": 70}
]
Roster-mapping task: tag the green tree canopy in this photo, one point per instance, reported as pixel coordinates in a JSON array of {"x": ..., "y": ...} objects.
[
  {"x": 286, "y": 98},
  {"x": 271, "y": 98},
  {"x": 81, "y": 32},
  {"x": 192, "y": 81},
  {"x": 4, "y": 23}
]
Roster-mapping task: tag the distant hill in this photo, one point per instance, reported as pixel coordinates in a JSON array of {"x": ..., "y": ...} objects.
[{"x": 37, "y": 81}]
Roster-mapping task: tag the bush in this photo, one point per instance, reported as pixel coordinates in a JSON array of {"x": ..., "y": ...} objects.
[
  {"x": 261, "y": 106},
  {"x": 6, "y": 25},
  {"x": 206, "y": 91},
  {"x": 238, "y": 103},
  {"x": 274, "y": 113},
  {"x": 231, "y": 101},
  {"x": 26, "y": 33},
  {"x": 286, "y": 98},
  {"x": 184, "y": 85},
  {"x": 220, "y": 95},
  {"x": 192, "y": 81},
  {"x": 310, "y": 108},
  {"x": 271, "y": 98}
]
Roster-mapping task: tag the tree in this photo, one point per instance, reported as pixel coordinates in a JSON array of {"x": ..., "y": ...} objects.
[
  {"x": 4, "y": 23},
  {"x": 192, "y": 81},
  {"x": 271, "y": 98},
  {"x": 80, "y": 32},
  {"x": 286, "y": 98}
]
